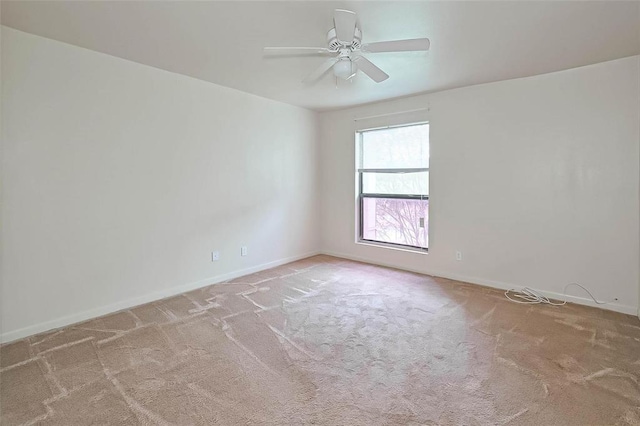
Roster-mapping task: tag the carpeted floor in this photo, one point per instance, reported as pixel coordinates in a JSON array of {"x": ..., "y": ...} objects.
[{"x": 328, "y": 341}]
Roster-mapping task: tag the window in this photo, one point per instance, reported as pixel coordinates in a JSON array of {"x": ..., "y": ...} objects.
[{"x": 393, "y": 186}]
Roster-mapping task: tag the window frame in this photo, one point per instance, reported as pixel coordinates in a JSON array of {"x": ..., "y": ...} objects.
[{"x": 362, "y": 195}]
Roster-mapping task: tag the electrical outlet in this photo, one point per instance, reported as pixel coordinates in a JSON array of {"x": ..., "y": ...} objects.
[
  {"x": 458, "y": 256},
  {"x": 243, "y": 251},
  {"x": 215, "y": 255}
]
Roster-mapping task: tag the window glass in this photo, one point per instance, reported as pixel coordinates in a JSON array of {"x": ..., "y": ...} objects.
[
  {"x": 396, "y": 147},
  {"x": 416, "y": 183},
  {"x": 396, "y": 221}
]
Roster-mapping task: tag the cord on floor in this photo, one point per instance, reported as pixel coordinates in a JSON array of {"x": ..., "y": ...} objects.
[{"x": 529, "y": 296}]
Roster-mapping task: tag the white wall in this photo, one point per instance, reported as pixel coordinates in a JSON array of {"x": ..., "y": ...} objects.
[
  {"x": 535, "y": 180},
  {"x": 120, "y": 179}
]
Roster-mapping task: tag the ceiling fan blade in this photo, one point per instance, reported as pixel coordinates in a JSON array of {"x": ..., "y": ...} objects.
[
  {"x": 278, "y": 51},
  {"x": 367, "y": 67},
  {"x": 319, "y": 72},
  {"x": 345, "y": 23},
  {"x": 415, "y": 44}
]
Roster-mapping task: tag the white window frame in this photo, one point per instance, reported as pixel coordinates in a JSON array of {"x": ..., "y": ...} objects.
[{"x": 361, "y": 196}]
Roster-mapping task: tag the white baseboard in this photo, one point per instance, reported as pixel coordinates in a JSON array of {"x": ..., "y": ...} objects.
[
  {"x": 625, "y": 309},
  {"x": 151, "y": 297}
]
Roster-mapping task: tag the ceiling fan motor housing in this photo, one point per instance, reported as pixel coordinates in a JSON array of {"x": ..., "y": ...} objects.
[{"x": 334, "y": 44}]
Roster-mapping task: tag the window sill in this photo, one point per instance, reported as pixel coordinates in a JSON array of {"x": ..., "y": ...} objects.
[{"x": 393, "y": 247}]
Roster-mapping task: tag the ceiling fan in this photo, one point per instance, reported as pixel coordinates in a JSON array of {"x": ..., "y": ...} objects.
[{"x": 346, "y": 49}]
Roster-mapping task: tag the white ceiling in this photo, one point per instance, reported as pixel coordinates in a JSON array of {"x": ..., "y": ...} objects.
[{"x": 221, "y": 42}]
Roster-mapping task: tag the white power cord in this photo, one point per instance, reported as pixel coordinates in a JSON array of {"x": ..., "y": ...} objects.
[{"x": 529, "y": 296}]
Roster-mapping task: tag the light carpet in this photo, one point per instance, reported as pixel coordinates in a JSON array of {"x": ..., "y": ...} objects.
[{"x": 330, "y": 342}]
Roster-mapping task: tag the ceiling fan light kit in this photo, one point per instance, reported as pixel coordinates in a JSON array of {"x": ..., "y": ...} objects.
[
  {"x": 345, "y": 69},
  {"x": 345, "y": 45}
]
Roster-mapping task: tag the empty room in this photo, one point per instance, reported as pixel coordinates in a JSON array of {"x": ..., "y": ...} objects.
[{"x": 319, "y": 212}]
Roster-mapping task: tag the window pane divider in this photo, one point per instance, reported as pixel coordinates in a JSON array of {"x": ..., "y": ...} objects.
[
  {"x": 415, "y": 170},
  {"x": 395, "y": 196}
]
